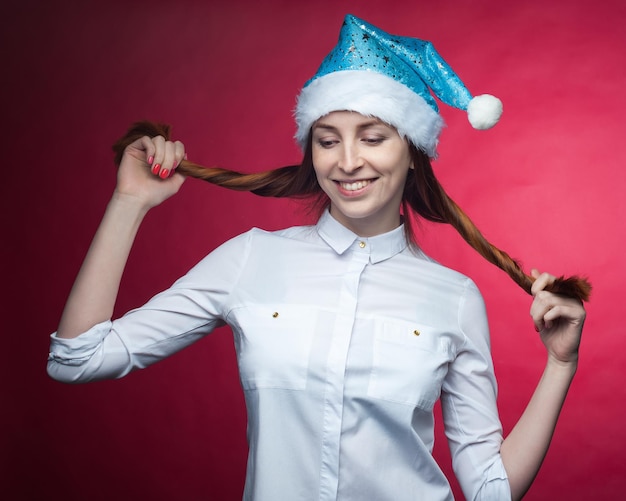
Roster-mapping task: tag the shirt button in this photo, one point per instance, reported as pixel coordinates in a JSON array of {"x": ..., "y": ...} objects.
[
  {"x": 362, "y": 244},
  {"x": 275, "y": 314},
  {"x": 416, "y": 332}
]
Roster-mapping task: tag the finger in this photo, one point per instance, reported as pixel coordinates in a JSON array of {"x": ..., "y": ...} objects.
[
  {"x": 547, "y": 308},
  {"x": 143, "y": 144},
  {"x": 566, "y": 308},
  {"x": 543, "y": 303},
  {"x": 542, "y": 280},
  {"x": 538, "y": 309},
  {"x": 169, "y": 160},
  {"x": 166, "y": 163},
  {"x": 158, "y": 154},
  {"x": 149, "y": 148},
  {"x": 179, "y": 154}
]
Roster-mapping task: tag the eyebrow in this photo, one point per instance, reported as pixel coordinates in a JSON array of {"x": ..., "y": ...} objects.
[{"x": 364, "y": 125}]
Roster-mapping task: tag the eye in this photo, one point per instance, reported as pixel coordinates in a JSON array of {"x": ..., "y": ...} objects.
[
  {"x": 327, "y": 143},
  {"x": 373, "y": 140}
]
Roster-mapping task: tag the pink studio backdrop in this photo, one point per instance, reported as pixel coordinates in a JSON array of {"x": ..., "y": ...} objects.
[{"x": 546, "y": 185}]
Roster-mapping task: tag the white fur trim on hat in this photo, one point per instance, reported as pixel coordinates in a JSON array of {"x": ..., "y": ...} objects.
[{"x": 371, "y": 94}]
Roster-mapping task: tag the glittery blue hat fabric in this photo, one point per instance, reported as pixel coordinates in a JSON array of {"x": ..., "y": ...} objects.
[
  {"x": 389, "y": 77},
  {"x": 410, "y": 61}
]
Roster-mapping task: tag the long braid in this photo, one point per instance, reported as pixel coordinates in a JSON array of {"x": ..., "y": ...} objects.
[
  {"x": 291, "y": 181},
  {"x": 426, "y": 196},
  {"x": 422, "y": 193}
]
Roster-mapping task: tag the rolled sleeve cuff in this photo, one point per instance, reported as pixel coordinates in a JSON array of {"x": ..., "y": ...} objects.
[
  {"x": 496, "y": 486},
  {"x": 76, "y": 351}
]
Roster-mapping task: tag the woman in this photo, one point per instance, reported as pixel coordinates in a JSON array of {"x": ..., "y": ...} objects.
[{"x": 346, "y": 333}]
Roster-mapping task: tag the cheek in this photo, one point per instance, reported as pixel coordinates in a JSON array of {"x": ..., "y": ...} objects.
[
  {"x": 318, "y": 173},
  {"x": 320, "y": 166},
  {"x": 322, "y": 179},
  {"x": 324, "y": 183}
]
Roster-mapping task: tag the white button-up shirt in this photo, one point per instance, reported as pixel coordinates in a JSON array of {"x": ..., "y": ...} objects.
[{"x": 344, "y": 344}]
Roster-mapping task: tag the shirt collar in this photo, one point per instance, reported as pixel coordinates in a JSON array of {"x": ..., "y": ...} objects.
[{"x": 379, "y": 247}]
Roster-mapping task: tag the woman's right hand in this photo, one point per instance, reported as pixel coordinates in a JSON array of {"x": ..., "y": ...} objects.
[{"x": 147, "y": 171}]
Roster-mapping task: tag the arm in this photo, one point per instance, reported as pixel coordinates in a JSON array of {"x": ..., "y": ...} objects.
[
  {"x": 146, "y": 177},
  {"x": 470, "y": 413},
  {"x": 559, "y": 321}
]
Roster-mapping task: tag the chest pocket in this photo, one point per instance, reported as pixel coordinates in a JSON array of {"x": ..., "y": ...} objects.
[
  {"x": 273, "y": 345},
  {"x": 409, "y": 364}
]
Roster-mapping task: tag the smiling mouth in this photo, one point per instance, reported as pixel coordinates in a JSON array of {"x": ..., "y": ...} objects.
[{"x": 354, "y": 186}]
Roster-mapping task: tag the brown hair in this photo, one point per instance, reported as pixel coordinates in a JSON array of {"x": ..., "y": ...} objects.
[{"x": 422, "y": 194}]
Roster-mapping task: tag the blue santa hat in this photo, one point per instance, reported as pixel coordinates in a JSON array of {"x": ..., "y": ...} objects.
[{"x": 391, "y": 78}]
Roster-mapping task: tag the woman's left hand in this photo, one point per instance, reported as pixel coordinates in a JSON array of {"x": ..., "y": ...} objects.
[{"x": 558, "y": 319}]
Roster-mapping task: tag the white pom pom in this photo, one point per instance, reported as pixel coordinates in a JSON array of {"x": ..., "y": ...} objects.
[{"x": 484, "y": 111}]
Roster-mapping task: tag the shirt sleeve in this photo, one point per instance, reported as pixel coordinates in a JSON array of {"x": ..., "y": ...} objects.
[
  {"x": 172, "y": 320},
  {"x": 469, "y": 407}
]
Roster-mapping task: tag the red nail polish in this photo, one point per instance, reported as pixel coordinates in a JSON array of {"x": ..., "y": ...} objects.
[
  {"x": 150, "y": 159},
  {"x": 156, "y": 168},
  {"x": 164, "y": 173}
]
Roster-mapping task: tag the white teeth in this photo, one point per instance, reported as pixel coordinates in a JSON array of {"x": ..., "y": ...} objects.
[{"x": 354, "y": 186}]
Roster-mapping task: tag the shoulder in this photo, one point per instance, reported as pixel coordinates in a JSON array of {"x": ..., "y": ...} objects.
[
  {"x": 438, "y": 277},
  {"x": 462, "y": 300},
  {"x": 292, "y": 239},
  {"x": 257, "y": 241},
  {"x": 297, "y": 233},
  {"x": 258, "y": 235}
]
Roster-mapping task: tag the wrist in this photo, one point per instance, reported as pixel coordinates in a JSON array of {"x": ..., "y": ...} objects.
[
  {"x": 564, "y": 367},
  {"x": 130, "y": 204}
]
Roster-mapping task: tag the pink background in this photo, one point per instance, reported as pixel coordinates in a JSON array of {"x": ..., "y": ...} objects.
[{"x": 546, "y": 185}]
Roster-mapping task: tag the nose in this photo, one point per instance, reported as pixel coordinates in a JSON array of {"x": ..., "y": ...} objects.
[{"x": 350, "y": 160}]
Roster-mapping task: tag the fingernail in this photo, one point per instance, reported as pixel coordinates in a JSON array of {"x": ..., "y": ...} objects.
[
  {"x": 150, "y": 159},
  {"x": 156, "y": 168},
  {"x": 164, "y": 173}
]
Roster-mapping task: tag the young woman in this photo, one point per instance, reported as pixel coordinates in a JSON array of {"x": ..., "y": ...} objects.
[{"x": 346, "y": 333}]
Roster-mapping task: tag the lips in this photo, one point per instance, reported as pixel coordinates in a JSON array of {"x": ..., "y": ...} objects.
[{"x": 354, "y": 185}]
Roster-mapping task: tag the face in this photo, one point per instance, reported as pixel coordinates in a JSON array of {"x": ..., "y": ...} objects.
[{"x": 361, "y": 164}]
